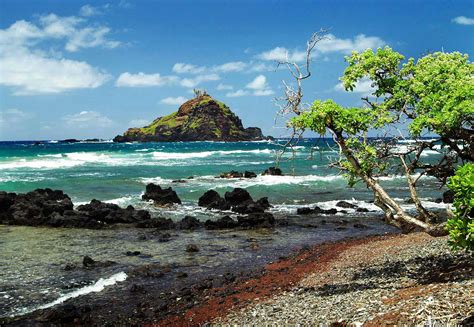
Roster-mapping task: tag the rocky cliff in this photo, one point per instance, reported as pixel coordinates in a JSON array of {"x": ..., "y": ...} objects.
[{"x": 200, "y": 119}]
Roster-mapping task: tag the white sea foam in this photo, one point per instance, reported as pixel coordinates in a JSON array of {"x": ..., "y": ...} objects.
[
  {"x": 95, "y": 288},
  {"x": 157, "y": 155}
]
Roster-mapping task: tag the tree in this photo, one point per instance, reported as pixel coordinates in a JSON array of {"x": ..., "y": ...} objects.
[
  {"x": 461, "y": 226},
  {"x": 434, "y": 94}
]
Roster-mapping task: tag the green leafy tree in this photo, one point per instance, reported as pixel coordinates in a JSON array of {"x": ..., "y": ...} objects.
[
  {"x": 435, "y": 94},
  {"x": 461, "y": 226}
]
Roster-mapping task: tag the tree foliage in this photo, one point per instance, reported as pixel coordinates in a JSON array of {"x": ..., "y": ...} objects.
[
  {"x": 434, "y": 94},
  {"x": 461, "y": 226}
]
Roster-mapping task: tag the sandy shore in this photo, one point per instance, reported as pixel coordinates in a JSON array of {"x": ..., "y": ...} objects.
[{"x": 385, "y": 280}]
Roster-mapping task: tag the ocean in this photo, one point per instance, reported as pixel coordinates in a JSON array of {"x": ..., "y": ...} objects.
[{"x": 32, "y": 259}]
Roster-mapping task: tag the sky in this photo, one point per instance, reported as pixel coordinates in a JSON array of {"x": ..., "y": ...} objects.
[{"x": 92, "y": 69}]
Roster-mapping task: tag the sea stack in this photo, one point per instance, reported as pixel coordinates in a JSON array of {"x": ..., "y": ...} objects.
[{"x": 200, "y": 119}]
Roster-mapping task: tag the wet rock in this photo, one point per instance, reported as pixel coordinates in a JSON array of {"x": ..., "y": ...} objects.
[
  {"x": 263, "y": 203},
  {"x": 225, "y": 222},
  {"x": 231, "y": 174},
  {"x": 181, "y": 275},
  {"x": 212, "y": 200},
  {"x": 318, "y": 210},
  {"x": 137, "y": 288},
  {"x": 150, "y": 271},
  {"x": 192, "y": 248},
  {"x": 361, "y": 226},
  {"x": 64, "y": 314},
  {"x": 189, "y": 222},
  {"x": 70, "y": 266},
  {"x": 88, "y": 262},
  {"x": 345, "y": 204},
  {"x": 249, "y": 174},
  {"x": 132, "y": 253},
  {"x": 237, "y": 196},
  {"x": 448, "y": 196},
  {"x": 160, "y": 196},
  {"x": 304, "y": 211},
  {"x": 158, "y": 223},
  {"x": 179, "y": 181},
  {"x": 362, "y": 210},
  {"x": 110, "y": 213},
  {"x": 257, "y": 220},
  {"x": 274, "y": 171}
]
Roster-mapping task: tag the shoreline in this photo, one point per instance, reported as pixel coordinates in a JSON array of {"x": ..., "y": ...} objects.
[{"x": 248, "y": 295}]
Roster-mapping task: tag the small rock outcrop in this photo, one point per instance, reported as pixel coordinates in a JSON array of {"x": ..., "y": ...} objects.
[
  {"x": 238, "y": 200},
  {"x": 200, "y": 119},
  {"x": 273, "y": 171},
  {"x": 160, "y": 196},
  {"x": 46, "y": 207}
]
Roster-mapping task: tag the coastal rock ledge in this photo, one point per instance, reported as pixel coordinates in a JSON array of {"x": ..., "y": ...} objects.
[{"x": 199, "y": 119}]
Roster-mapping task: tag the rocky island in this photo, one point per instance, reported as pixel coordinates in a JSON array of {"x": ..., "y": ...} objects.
[{"x": 200, "y": 119}]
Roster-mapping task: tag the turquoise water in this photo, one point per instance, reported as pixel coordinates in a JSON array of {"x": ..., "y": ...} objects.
[
  {"x": 119, "y": 172},
  {"x": 32, "y": 259}
]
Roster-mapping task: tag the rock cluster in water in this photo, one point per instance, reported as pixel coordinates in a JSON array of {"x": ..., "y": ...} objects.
[
  {"x": 45, "y": 207},
  {"x": 200, "y": 119}
]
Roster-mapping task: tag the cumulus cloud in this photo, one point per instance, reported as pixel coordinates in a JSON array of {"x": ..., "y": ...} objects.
[
  {"x": 88, "y": 10},
  {"x": 463, "y": 20},
  {"x": 360, "y": 43},
  {"x": 29, "y": 69},
  {"x": 144, "y": 80},
  {"x": 282, "y": 54},
  {"x": 183, "y": 68},
  {"x": 236, "y": 94},
  {"x": 193, "y": 82},
  {"x": 87, "y": 119},
  {"x": 224, "y": 87},
  {"x": 362, "y": 86},
  {"x": 330, "y": 44},
  {"x": 259, "y": 86},
  {"x": 174, "y": 101},
  {"x": 233, "y": 66}
]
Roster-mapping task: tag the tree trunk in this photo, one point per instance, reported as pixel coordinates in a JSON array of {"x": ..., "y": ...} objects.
[{"x": 394, "y": 213}]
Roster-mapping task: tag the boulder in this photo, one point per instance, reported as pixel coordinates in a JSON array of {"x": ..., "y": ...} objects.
[
  {"x": 237, "y": 196},
  {"x": 304, "y": 211},
  {"x": 225, "y": 222},
  {"x": 192, "y": 248},
  {"x": 160, "y": 196},
  {"x": 249, "y": 174},
  {"x": 231, "y": 174},
  {"x": 345, "y": 204},
  {"x": 189, "y": 222},
  {"x": 212, "y": 200},
  {"x": 274, "y": 171},
  {"x": 257, "y": 220},
  {"x": 318, "y": 210}
]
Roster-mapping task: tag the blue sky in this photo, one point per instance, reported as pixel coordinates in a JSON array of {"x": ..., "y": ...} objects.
[{"x": 82, "y": 69}]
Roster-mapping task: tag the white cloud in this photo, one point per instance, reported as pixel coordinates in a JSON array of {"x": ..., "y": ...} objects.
[
  {"x": 174, "y": 101},
  {"x": 261, "y": 67},
  {"x": 88, "y": 10},
  {"x": 224, "y": 87},
  {"x": 238, "y": 93},
  {"x": 33, "y": 73},
  {"x": 259, "y": 83},
  {"x": 233, "y": 66},
  {"x": 463, "y": 20},
  {"x": 261, "y": 93},
  {"x": 360, "y": 43},
  {"x": 29, "y": 70},
  {"x": 259, "y": 86},
  {"x": 330, "y": 44},
  {"x": 144, "y": 80},
  {"x": 138, "y": 122},
  {"x": 87, "y": 119},
  {"x": 362, "y": 86},
  {"x": 193, "y": 82},
  {"x": 282, "y": 54},
  {"x": 182, "y": 68}
]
